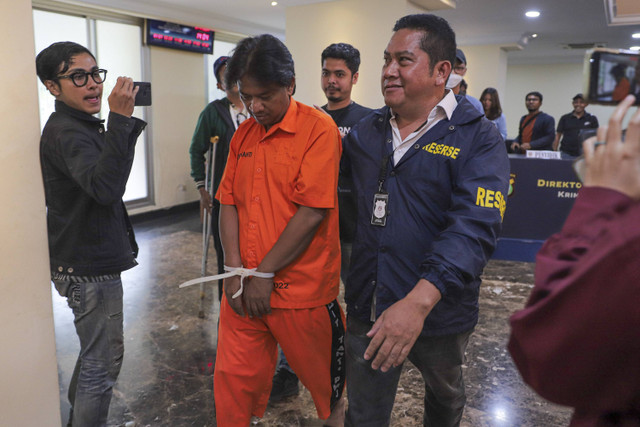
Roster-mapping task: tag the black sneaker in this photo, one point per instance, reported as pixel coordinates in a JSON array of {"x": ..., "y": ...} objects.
[{"x": 285, "y": 384}]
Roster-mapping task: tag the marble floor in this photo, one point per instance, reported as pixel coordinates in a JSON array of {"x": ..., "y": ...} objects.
[{"x": 167, "y": 374}]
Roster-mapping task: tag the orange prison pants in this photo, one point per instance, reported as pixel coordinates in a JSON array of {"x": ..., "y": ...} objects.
[{"x": 313, "y": 341}]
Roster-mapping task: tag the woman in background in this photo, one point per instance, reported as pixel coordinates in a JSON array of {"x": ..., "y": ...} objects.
[{"x": 491, "y": 104}]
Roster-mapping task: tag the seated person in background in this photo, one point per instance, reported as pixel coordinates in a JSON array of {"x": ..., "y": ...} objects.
[
  {"x": 492, "y": 109},
  {"x": 536, "y": 131},
  {"x": 619, "y": 72},
  {"x": 576, "y": 342},
  {"x": 571, "y": 124}
]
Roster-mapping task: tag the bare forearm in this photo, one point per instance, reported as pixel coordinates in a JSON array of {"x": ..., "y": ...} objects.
[
  {"x": 294, "y": 240},
  {"x": 229, "y": 235}
]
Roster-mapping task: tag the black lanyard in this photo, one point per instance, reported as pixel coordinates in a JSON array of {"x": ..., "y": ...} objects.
[
  {"x": 382, "y": 175},
  {"x": 384, "y": 164}
]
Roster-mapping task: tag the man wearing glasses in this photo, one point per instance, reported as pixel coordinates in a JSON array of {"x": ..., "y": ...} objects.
[
  {"x": 85, "y": 170},
  {"x": 536, "y": 130},
  {"x": 460, "y": 68}
]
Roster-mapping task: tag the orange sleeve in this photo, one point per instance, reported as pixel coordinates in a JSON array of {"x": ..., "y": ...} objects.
[
  {"x": 621, "y": 90},
  {"x": 317, "y": 182}
]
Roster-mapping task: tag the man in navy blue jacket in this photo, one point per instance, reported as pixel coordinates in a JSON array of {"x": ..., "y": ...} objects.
[{"x": 430, "y": 175}]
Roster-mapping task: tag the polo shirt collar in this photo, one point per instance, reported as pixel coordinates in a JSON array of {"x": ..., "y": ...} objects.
[{"x": 288, "y": 122}]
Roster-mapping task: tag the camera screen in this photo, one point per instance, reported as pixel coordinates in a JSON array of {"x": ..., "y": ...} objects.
[{"x": 618, "y": 74}]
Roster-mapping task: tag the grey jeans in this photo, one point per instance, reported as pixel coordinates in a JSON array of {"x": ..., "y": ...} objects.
[
  {"x": 371, "y": 393},
  {"x": 97, "y": 310}
]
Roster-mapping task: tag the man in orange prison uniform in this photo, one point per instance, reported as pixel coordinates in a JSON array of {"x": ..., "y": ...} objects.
[{"x": 279, "y": 215}]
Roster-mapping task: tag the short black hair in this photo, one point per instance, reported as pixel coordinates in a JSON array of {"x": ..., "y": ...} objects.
[
  {"x": 49, "y": 59},
  {"x": 618, "y": 71},
  {"x": 344, "y": 51},
  {"x": 264, "y": 58},
  {"x": 439, "y": 40},
  {"x": 534, "y": 93}
]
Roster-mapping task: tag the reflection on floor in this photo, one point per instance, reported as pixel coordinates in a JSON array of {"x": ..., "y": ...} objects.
[{"x": 167, "y": 375}]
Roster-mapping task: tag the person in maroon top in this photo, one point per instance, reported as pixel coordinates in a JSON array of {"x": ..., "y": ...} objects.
[{"x": 577, "y": 341}]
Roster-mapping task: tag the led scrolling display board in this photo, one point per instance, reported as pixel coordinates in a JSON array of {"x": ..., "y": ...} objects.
[{"x": 177, "y": 36}]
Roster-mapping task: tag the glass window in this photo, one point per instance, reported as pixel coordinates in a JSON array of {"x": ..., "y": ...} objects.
[
  {"x": 50, "y": 28},
  {"x": 118, "y": 50}
]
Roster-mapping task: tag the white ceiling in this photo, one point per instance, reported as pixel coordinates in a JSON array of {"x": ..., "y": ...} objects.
[
  {"x": 561, "y": 22},
  {"x": 475, "y": 22}
]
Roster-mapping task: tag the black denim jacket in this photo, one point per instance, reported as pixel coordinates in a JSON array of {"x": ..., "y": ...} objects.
[{"x": 85, "y": 170}]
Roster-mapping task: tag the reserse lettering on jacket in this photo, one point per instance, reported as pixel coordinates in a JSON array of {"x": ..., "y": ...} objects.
[
  {"x": 442, "y": 150},
  {"x": 491, "y": 199}
]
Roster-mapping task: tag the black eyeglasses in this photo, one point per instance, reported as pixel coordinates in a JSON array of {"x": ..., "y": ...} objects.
[{"x": 80, "y": 78}]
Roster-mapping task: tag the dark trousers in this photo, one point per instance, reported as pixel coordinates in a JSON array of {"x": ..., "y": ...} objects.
[{"x": 371, "y": 393}]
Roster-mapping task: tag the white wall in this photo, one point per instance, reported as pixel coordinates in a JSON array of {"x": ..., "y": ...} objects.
[
  {"x": 486, "y": 67},
  {"x": 178, "y": 83},
  {"x": 312, "y": 28},
  {"x": 365, "y": 24},
  {"x": 28, "y": 371}
]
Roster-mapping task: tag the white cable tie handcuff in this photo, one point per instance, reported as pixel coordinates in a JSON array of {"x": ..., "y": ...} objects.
[{"x": 231, "y": 271}]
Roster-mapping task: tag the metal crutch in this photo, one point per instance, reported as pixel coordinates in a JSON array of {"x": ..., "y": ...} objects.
[{"x": 206, "y": 220}]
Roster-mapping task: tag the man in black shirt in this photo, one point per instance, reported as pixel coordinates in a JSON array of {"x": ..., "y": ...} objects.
[
  {"x": 568, "y": 136},
  {"x": 340, "y": 64}
]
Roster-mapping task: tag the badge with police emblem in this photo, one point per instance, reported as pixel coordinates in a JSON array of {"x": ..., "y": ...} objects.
[{"x": 380, "y": 209}]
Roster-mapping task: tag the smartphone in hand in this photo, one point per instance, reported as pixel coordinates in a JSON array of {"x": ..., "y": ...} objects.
[
  {"x": 610, "y": 75},
  {"x": 143, "y": 97}
]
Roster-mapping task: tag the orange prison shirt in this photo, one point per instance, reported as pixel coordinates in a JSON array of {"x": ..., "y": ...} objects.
[
  {"x": 621, "y": 90},
  {"x": 268, "y": 175}
]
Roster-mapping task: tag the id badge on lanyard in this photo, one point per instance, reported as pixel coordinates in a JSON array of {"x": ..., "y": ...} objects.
[{"x": 380, "y": 209}]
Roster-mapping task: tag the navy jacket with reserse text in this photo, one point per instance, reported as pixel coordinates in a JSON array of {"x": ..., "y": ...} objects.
[{"x": 446, "y": 200}]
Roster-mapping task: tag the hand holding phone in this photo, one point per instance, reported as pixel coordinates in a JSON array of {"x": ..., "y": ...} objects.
[{"x": 612, "y": 159}]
